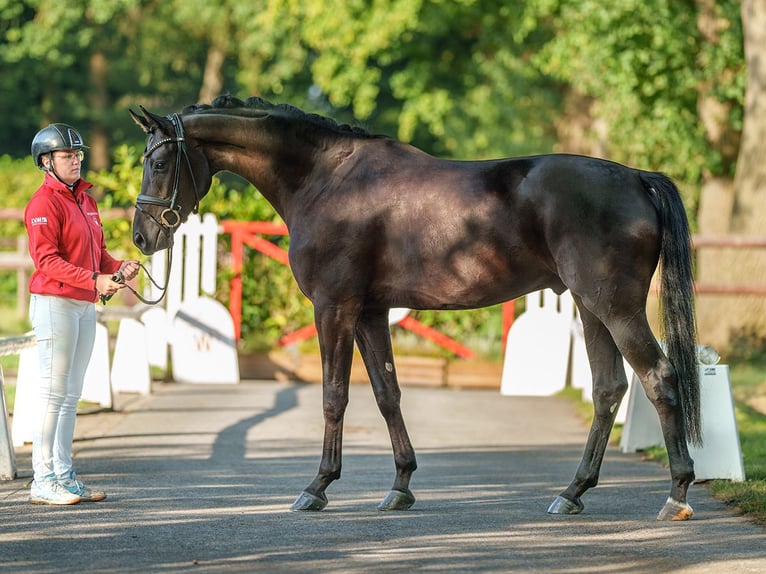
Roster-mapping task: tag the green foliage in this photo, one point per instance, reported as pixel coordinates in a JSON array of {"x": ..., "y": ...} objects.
[
  {"x": 747, "y": 344},
  {"x": 645, "y": 75},
  {"x": 120, "y": 185},
  {"x": 19, "y": 179},
  {"x": 465, "y": 79},
  {"x": 468, "y": 79}
]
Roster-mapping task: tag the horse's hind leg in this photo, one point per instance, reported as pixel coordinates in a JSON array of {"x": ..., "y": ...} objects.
[
  {"x": 374, "y": 340},
  {"x": 335, "y": 328},
  {"x": 609, "y": 386},
  {"x": 631, "y": 333},
  {"x": 659, "y": 380}
]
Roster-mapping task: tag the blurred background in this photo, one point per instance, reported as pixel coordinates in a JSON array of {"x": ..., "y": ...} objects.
[{"x": 667, "y": 85}]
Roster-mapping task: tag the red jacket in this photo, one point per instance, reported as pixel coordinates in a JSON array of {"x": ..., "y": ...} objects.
[{"x": 66, "y": 241}]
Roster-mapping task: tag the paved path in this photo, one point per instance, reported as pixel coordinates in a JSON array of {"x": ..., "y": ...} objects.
[{"x": 201, "y": 478}]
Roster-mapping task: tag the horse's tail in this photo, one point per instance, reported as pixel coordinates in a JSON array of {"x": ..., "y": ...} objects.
[{"x": 677, "y": 298}]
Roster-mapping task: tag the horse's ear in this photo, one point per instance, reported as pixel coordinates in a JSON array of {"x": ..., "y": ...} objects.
[
  {"x": 149, "y": 121},
  {"x": 142, "y": 121}
]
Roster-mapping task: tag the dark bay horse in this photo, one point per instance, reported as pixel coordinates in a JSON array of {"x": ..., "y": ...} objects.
[{"x": 375, "y": 224}]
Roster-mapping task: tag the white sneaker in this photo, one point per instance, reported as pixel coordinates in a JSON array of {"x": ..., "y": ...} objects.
[
  {"x": 76, "y": 487},
  {"x": 51, "y": 492}
]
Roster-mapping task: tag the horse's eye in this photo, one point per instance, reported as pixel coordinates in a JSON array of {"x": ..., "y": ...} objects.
[{"x": 159, "y": 165}]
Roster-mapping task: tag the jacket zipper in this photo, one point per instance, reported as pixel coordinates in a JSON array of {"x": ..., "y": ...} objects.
[{"x": 90, "y": 236}]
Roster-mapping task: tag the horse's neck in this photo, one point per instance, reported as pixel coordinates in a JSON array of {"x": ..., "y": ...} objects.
[
  {"x": 247, "y": 147},
  {"x": 237, "y": 144}
]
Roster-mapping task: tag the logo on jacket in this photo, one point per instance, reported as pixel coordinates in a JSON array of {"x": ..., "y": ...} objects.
[{"x": 39, "y": 220}]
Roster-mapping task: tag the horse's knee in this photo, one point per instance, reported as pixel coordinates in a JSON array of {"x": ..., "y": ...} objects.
[
  {"x": 334, "y": 404},
  {"x": 389, "y": 406},
  {"x": 406, "y": 462}
]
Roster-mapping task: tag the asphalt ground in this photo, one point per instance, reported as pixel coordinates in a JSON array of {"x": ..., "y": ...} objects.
[{"x": 201, "y": 478}]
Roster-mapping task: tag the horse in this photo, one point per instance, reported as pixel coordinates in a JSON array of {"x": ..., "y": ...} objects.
[{"x": 375, "y": 224}]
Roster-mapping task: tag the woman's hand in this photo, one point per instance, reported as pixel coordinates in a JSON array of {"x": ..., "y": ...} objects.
[
  {"x": 129, "y": 269},
  {"x": 105, "y": 285}
]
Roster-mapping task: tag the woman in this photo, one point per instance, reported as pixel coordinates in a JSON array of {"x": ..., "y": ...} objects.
[{"x": 72, "y": 268}]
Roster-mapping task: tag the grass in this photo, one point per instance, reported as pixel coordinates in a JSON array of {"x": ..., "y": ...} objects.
[{"x": 748, "y": 496}]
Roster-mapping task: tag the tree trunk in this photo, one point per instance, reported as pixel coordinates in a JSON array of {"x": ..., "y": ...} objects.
[
  {"x": 212, "y": 80},
  {"x": 98, "y": 144},
  {"x": 748, "y": 217},
  {"x": 577, "y": 131},
  {"x": 719, "y": 317}
]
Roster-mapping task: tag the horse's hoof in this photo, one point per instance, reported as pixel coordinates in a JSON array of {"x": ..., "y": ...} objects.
[
  {"x": 674, "y": 510},
  {"x": 397, "y": 500},
  {"x": 565, "y": 506},
  {"x": 308, "y": 501}
]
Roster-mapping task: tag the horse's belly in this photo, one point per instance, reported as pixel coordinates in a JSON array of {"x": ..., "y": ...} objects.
[{"x": 461, "y": 285}]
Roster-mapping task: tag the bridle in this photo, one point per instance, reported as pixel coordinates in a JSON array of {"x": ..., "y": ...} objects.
[{"x": 170, "y": 218}]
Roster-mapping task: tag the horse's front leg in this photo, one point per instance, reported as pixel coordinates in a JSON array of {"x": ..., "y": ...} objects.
[
  {"x": 609, "y": 386},
  {"x": 335, "y": 328},
  {"x": 374, "y": 340}
]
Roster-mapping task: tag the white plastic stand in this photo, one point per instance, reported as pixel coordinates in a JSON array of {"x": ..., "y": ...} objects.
[
  {"x": 157, "y": 334},
  {"x": 198, "y": 329},
  {"x": 8, "y": 469},
  {"x": 537, "y": 350},
  {"x": 580, "y": 377},
  {"x": 27, "y": 395},
  {"x": 720, "y": 457},
  {"x": 397, "y": 314},
  {"x": 96, "y": 387},
  {"x": 130, "y": 365},
  {"x": 203, "y": 348},
  {"x": 642, "y": 424}
]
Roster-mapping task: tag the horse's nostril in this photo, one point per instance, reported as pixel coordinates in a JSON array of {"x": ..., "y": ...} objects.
[{"x": 139, "y": 240}]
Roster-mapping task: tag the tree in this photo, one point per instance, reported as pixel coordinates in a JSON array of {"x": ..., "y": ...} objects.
[
  {"x": 83, "y": 62},
  {"x": 741, "y": 321},
  {"x": 658, "y": 84},
  {"x": 663, "y": 83}
]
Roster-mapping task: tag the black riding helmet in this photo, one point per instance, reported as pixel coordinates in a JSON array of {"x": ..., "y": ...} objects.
[{"x": 53, "y": 138}]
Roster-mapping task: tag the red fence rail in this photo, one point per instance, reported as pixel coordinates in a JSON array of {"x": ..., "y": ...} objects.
[
  {"x": 724, "y": 241},
  {"x": 246, "y": 233}
]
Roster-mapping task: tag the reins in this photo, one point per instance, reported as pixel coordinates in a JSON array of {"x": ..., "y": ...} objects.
[{"x": 119, "y": 278}]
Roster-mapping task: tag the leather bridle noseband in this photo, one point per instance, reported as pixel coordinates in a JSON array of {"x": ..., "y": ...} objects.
[{"x": 170, "y": 218}]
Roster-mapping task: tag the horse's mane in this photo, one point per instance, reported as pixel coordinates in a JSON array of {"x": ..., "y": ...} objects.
[{"x": 255, "y": 104}]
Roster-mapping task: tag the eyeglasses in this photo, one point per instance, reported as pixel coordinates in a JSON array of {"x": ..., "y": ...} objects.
[{"x": 71, "y": 156}]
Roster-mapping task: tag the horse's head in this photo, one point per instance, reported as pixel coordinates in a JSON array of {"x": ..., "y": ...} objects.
[{"x": 176, "y": 177}]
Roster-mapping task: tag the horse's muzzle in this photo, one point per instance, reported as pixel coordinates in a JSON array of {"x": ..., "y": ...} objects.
[{"x": 148, "y": 246}]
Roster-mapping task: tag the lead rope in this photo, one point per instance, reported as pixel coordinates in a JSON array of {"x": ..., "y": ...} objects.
[{"x": 118, "y": 278}]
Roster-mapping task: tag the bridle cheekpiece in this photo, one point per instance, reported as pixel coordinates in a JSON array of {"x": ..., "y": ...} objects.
[{"x": 170, "y": 218}]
